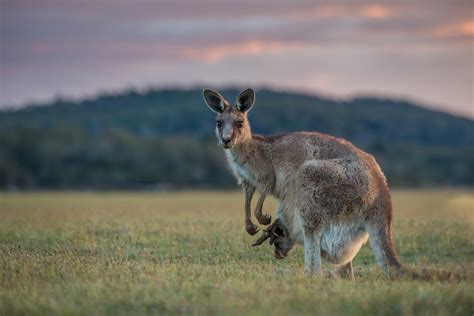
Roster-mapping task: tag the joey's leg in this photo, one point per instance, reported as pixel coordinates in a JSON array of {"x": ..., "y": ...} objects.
[
  {"x": 345, "y": 271},
  {"x": 262, "y": 218},
  {"x": 249, "y": 226}
]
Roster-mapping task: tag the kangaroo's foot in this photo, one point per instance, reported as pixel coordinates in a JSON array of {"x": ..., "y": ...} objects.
[{"x": 345, "y": 271}]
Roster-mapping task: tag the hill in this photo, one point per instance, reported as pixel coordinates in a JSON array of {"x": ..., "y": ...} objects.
[{"x": 163, "y": 138}]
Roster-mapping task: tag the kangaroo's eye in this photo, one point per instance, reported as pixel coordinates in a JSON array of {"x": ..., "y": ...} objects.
[
  {"x": 239, "y": 124},
  {"x": 219, "y": 123}
]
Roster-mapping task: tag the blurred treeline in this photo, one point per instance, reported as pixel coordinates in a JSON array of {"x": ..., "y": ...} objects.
[{"x": 165, "y": 139}]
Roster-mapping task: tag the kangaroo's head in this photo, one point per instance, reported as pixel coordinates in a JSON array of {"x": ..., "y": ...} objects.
[{"x": 232, "y": 125}]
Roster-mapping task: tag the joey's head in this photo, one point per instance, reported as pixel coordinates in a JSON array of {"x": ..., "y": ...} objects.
[
  {"x": 232, "y": 125},
  {"x": 279, "y": 238}
]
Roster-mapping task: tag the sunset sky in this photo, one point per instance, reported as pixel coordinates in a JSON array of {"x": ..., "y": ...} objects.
[{"x": 418, "y": 49}]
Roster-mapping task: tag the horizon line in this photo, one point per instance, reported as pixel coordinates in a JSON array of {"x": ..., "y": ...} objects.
[{"x": 415, "y": 101}]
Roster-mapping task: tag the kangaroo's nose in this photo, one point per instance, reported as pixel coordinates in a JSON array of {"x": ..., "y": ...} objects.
[{"x": 226, "y": 140}]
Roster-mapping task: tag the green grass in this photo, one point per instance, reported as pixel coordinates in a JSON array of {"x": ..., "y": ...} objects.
[{"x": 188, "y": 253}]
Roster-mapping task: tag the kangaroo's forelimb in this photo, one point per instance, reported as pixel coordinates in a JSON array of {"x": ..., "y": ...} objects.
[
  {"x": 264, "y": 219},
  {"x": 249, "y": 190}
]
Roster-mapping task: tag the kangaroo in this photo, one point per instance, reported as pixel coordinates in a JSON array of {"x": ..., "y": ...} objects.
[{"x": 332, "y": 196}]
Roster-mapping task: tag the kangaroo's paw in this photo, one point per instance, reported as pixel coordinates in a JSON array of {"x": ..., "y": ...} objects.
[
  {"x": 251, "y": 229},
  {"x": 264, "y": 219}
]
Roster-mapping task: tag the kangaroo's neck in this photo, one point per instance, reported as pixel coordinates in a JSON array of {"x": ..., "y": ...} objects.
[{"x": 250, "y": 162}]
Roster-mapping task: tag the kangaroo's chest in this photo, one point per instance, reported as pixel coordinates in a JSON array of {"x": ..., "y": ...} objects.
[{"x": 240, "y": 170}]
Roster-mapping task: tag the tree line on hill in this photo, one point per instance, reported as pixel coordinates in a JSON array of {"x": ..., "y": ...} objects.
[{"x": 164, "y": 139}]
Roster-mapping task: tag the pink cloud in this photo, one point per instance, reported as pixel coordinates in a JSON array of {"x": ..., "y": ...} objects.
[
  {"x": 372, "y": 11},
  {"x": 375, "y": 11},
  {"x": 319, "y": 11},
  {"x": 216, "y": 53},
  {"x": 463, "y": 28}
]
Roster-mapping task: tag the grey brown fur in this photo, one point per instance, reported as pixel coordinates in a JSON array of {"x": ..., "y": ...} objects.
[{"x": 332, "y": 196}]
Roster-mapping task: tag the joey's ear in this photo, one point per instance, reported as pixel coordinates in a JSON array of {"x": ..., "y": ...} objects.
[
  {"x": 213, "y": 100},
  {"x": 279, "y": 230},
  {"x": 245, "y": 100}
]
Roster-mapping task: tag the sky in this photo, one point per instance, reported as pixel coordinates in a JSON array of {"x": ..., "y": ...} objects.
[{"x": 422, "y": 50}]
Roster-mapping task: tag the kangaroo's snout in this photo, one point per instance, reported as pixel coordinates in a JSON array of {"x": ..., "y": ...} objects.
[{"x": 226, "y": 143}]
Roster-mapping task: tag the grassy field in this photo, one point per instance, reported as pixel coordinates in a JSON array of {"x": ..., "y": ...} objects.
[{"x": 188, "y": 253}]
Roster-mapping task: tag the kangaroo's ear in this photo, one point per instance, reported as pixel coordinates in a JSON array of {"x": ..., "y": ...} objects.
[
  {"x": 213, "y": 100},
  {"x": 245, "y": 100}
]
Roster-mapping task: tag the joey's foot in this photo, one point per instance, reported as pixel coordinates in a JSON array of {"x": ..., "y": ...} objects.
[
  {"x": 251, "y": 229},
  {"x": 264, "y": 219}
]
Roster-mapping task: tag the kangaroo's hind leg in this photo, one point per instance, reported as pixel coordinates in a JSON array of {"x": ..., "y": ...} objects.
[{"x": 312, "y": 251}]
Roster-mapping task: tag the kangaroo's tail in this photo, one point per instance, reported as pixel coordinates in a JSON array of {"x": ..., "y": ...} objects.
[
  {"x": 381, "y": 242},
  {"x": 426, "y": 274}
]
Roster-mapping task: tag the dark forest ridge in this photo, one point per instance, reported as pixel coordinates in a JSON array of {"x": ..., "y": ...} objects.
[{"x": 162, "y": 138}]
